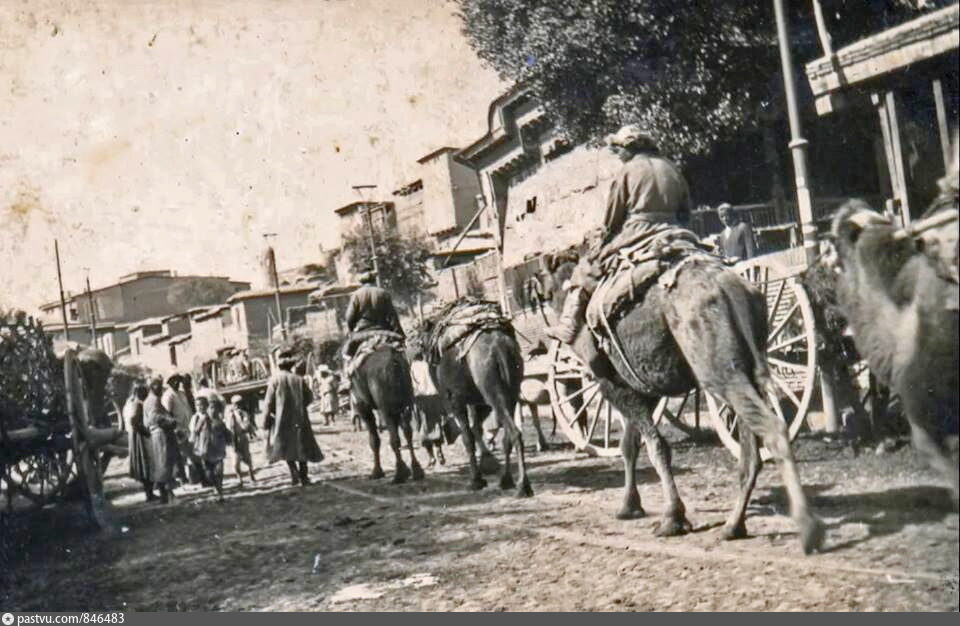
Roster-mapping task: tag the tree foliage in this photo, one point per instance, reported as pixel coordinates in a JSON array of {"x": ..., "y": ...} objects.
[
  {"x": 199, "y": 292},
  {"x": 693, "y": 73},
  {"x": 402, "y": 261}
]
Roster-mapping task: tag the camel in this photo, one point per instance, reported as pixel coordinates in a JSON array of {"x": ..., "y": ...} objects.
[
  {"x": 489, "y": 375},
  {"x": 904, "y": 317},
  {"x": 382, "y": 384},
  {"x": 709, "y": 329}
]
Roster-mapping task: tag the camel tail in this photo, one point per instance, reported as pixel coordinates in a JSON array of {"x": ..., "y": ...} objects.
[{"x": 751, "y": 325}]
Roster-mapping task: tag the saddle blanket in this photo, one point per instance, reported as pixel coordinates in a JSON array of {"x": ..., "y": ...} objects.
[
  {"x": 366, "y": 342},
  {"x": 656, "y": 253},
  {"x": 460, "y": 323}
]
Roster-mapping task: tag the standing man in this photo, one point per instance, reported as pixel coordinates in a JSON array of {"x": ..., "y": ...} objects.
[
  {"x": 736, "y": 240},
  {"x": 290, "y": 435},
  {"x": 175, "y": 402},
  {"x": 328, "y": 395}
]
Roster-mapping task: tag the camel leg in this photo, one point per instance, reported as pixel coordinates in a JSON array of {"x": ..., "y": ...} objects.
[
  {"x": 366, "y": 416},
  {"x": 542, "y": 445},
  {"x": 735, "y": 527},
  {"x": 477, "y": 481},
  {"x": 938, "y": 458},
  {"x": 506, "y": 478},
  {"x": 631, "y": 508},
  {"x": 488, "y": 461},
  {"x": 674, "y": 521},
  {"x": 415, "y": 468},
  {"x": 772, "y": 430},
  {"x": 402, "y": 472}
]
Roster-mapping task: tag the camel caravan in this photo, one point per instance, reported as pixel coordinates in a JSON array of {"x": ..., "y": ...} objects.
[{"x": 654, "y": 312}]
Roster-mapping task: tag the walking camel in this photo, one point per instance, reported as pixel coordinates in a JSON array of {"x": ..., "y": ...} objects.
[
  {"x": 709, "y": 328},
  {"x": 488, "y": 374},
  {"x": 382, "y": 383}
]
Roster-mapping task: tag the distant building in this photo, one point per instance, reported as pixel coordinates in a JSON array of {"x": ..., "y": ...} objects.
[
  {"x": 254, "y": 313},
  {"x": 134, "y": 297}
]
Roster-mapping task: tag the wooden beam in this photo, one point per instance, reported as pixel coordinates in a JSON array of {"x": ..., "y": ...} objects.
[{"x": 942, "y": 126}]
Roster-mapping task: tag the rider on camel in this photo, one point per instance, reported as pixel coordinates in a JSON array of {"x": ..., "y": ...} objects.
[
  {"x": 371, "y": 308},
  {"x": 647, "y": 189}
]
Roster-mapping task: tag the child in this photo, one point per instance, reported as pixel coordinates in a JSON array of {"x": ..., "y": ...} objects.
[
  {"x": 195, "y": 463},
  {"x": 211, "y": 446},
  {"x": 242, "y": 429}
]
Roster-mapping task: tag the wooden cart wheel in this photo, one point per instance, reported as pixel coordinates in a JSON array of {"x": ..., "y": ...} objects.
[
  {"x": 86, "y": 440},
  {"x": 791, "y": 351},
  {"x": 42, "y": 476},
  {"x": 588, "y": 419}
]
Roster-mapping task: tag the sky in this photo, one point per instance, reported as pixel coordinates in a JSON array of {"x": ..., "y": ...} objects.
[{"x": 165, "y": 134}]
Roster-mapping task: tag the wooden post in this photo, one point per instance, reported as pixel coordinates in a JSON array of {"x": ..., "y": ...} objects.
[
  {"x": 942, "y": 126},
  {"x": 894, "y": 128},
  {"x": 93, "y": 316},
  {"x": 63, "y": 302}
]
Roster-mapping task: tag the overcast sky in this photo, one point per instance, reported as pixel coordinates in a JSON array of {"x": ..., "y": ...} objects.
[{"x": 162, "y": 134}]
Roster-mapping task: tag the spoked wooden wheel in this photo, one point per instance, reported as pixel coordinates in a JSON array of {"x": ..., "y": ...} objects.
[
  {"x": 40, "y": 477},
  {"x": 791, "y": 351},
  {"x": 587, "y": 418}
]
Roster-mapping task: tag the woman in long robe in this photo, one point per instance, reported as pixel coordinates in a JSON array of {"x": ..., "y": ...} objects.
[{"x": 138, "y": 439}]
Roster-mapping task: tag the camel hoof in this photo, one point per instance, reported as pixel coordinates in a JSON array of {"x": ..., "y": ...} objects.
[
  {"x": 418, "y": 472},
  {"x": 377, "y": 474},
  {"x": 812, "y": 535},
  {"x": 631, "y": 513},
  {"x": 478, "y": 483},
  {"x": 543, "y": 446},
  {"x": 672, "y": 527},
  {"x": 733, "y": 532},
  {"x": 525, "y": 490},
  {"x": 506, "y": 482},
  {"x": 401, "y": 475},
  {"x": 489, "y": 464}
]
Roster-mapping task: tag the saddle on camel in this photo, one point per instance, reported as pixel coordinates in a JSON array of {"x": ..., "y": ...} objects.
[
  {"x": 638, "y": 244},
  {"x": 373, "y": 323},
  {"x": 477, "y": 365}
]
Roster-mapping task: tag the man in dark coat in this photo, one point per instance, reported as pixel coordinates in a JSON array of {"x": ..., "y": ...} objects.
[
  {"x": 371, "y": 308},
  {"x": 285, "y": 418}
]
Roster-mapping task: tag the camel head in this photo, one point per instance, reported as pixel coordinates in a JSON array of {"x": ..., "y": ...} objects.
[{"x": 556, "y": 270}]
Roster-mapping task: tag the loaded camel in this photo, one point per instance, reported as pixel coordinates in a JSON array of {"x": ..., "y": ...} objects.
[
  {"x": 708, "y": 329},
  {"x": 487, "y": 375}
]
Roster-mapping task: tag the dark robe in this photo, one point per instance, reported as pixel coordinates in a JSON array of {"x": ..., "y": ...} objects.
[
  {"x": 291, "y": 436},
  {"x": 138, "y": 440},
  {"x": 371, "y": 308}
]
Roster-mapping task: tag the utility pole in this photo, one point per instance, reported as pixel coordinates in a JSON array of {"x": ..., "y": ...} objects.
[
  {"x": 63, "y": 301},
  {"x": 366, "y": 212},
  {"x": 93, "y": 312},
  {"x": 272, "y": 261},
  {"x": 798, "y": 147}
]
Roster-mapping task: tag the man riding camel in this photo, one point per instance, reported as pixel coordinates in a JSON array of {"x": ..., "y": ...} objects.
[
  {"x": 371, "y": 308},
  {"x": 648, "y": 189}
]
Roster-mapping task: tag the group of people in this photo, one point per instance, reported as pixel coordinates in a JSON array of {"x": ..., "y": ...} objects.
[{"x": 180, "y": 435}]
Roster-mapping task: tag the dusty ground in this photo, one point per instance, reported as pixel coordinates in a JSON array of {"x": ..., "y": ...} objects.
[{"x": 892, "y": 543}]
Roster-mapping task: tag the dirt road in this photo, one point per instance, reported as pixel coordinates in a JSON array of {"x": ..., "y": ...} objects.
[{"x": 432, "y": 545}]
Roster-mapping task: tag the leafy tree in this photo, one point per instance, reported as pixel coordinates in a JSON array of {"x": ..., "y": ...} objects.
[
  {"x": 693, "y": 73},
  {"x": 402, "y": 261},
  {"x": 199, "y": 292}
]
